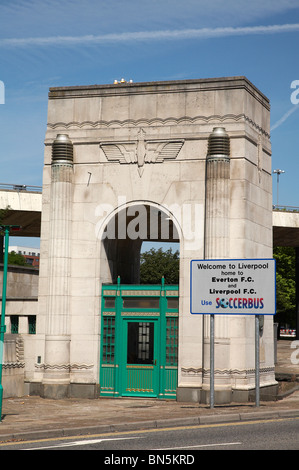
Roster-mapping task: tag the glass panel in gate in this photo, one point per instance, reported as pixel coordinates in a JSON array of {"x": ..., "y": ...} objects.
[
  {"x": 140, "y": 372},
  {"x": 140, "y": 344}
]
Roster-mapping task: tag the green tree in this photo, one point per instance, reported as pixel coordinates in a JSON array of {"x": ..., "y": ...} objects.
[
  {"x": 15, "y": 258},
  {"x": 285, "y": 286},
  {"x": 154, "y": 264}
]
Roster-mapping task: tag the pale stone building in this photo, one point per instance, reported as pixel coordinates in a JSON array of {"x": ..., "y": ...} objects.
[{"x": 186, "y": 161}]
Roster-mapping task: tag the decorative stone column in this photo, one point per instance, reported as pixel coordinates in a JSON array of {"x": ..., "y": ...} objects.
[
  {"x": 217, "y": 195},
  {"x": 216, "y": 247},
  {"x": 57, "y": 342}
]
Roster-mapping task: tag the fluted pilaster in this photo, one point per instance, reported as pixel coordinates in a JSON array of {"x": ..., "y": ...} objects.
[
  {"x": 217, "y": 196},
  {"x": 57, "y": 353},
  {"x": 217, "y": 245}
]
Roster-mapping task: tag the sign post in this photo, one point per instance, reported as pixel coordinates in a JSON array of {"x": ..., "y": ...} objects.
[
  {"x": 257, "y": 361},
  {"x": 233, "y": 287},
  {"x": 2, "y": 323},
  {"x": 212, "y": 342},
  {"x": 5, "y": 229}
]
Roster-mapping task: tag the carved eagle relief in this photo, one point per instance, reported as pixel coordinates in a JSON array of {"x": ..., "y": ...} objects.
[{"x": 142, "y": 151}]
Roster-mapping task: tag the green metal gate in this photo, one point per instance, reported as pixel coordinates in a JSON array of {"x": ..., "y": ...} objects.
[{"x": 139, "y": 340}]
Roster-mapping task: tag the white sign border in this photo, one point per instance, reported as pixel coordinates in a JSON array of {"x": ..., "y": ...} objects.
[{"x": 232, "y": 260}]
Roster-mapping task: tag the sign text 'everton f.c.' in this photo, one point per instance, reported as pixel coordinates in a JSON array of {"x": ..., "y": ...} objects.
[{"x": 236, "y": 286}]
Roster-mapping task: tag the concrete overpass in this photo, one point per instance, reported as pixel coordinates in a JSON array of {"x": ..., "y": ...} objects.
[
  {"x": 22, "y": 206},
  {"x": 286, "y": 226}
]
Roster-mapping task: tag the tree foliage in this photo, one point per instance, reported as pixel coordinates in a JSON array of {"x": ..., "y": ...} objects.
[
  {"x": 285, "y": 285},
  {"x": 154, "y": 264},
  {"x": 15, "y": 258}
]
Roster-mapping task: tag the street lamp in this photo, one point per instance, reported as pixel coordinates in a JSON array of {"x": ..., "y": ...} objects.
[
  {"x": 6, "y": 230},
  {"x": 278, "y": 172}
]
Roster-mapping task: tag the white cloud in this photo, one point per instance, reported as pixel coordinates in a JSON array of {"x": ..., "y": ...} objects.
[
  {"x": 285, "y": 117},
  {"x": 202, "y": 33},
  {"x": 55, "y": 18}
]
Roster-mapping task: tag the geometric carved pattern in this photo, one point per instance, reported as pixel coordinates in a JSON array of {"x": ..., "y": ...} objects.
[
  {"x": 191, "y": 371},
  {"x": 68, "y": 367},
  {"x": 170, "y": 121}
]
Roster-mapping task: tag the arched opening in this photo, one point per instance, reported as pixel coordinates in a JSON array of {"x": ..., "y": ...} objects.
[
  {"x": 139, "y": 327},
  {"x": 127, "y": 229}
]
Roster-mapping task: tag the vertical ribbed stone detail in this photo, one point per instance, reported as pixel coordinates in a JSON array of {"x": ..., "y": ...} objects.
[
  {"x": 217, "y": 239},
  {"x": 57, "y": 354},
  {"x": 62, "y": 149},
  {"x": 217, "y": 196}
]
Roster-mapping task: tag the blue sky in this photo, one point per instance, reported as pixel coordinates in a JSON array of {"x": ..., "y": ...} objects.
[{"x": 53, "y": 43}]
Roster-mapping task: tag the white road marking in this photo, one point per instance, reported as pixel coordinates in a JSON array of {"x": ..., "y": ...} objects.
[
  {"x": 82, "y": 442},
  {"x": 203, "y": 445}
]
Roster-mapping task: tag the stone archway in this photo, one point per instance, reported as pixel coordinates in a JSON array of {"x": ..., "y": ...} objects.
[
  {"x": 151, "y": 144},
  {"x": 123, "y": 231},
  {"x": 140, "y": 319}
]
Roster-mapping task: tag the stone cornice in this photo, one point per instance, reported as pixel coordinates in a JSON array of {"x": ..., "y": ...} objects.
[{"x": 179, "y": 86}]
